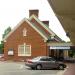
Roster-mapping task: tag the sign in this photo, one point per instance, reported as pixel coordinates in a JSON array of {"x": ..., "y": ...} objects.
[
  {"x": 60, "y": 47},
  {"x": 10, "y": 52}
]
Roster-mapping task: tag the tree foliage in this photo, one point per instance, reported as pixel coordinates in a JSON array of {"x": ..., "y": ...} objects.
[
  {"x": 2, "y": 47},
  {"x": 6, "y": 32},
  {"x": 3, "y": 36}
]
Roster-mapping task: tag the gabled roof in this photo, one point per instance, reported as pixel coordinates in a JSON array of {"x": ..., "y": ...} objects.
[
  {"x": 45, "y": 27},
  {"x": 41, "y": 32},
  {"x": 42, "y": 24},
  {"x": 37, "y": 28}
]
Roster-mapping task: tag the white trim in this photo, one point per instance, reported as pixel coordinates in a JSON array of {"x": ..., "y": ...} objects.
[
  {"x": 24, "y": 32},
  {"x": 19, "y": 54},
  {"x": 14, "y": 29},
  {"x": 42, "y": 24},
  {"x": 24, "y": 54},
  {"x": 30, "y": 51},
  {"x": 30, "y": 25},
  {"x": 24, "y": 47},
  {"x": 59, "y": 44},
  {"x": 37, "y": 30},
  {"x": 52, "y": 37},
  {"x": 5, "y": 41}
]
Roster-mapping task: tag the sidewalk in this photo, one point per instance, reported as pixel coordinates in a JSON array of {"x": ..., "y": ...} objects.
[{"x": 70, "y": 70}]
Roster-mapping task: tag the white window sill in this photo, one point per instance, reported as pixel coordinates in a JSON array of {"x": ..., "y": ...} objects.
[{"x": 24, "y": 55}]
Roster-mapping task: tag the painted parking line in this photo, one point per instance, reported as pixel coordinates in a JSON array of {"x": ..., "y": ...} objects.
[
  {"x": 21, "y": 67},
  {"x": 62, "y": 71}
]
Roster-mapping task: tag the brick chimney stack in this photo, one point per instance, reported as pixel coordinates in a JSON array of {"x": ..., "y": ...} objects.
[
  {"x": 46, "y": 22},
  {"x": 35, "y": 12}
]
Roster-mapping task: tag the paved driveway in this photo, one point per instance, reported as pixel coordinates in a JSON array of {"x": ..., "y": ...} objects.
[
  {"x": 18, "y": 68},
  {"x": 70, "y": 70}
]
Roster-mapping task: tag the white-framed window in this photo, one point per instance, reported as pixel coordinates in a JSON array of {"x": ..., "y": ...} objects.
[
  {"x": 21, "y": 50},
  {"x": 24, "y": 32},
  {"x": 24, "y": 50}
]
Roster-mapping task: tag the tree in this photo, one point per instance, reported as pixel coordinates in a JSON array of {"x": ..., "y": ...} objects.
[
  {"x": 6, "y": 32},
  {"x": 3, "y": 36},
  {"x": 2, "y": 47}
]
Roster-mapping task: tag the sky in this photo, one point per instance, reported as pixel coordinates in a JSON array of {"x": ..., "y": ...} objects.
[{"x": 13, "y": 11}]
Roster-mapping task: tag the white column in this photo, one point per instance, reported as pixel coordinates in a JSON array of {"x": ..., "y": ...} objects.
[{"x": 66, "y": 53}]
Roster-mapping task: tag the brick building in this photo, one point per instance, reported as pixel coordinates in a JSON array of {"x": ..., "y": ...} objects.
[{"x": 29, "y": 38}]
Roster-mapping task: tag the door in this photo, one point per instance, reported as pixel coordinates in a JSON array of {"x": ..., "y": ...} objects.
[
  {"x": 52, "y": 53},
  {"x": 44, "y": 62},
  {"x": 61, "y": 55},
  {"x": 48, "y": 62},
  {"x": 51, "y": 63}
]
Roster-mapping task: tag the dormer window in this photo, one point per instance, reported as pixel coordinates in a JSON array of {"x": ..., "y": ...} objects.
[
  {"x": 52, "y": 37},
  {"x": 24, "y": 32}
]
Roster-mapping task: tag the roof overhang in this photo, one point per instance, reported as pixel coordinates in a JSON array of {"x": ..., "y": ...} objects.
[
  {"x": 65, "y": 12},
  {"x": 59, "y": 44}
]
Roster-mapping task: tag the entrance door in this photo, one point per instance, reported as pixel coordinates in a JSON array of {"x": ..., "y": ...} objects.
[
  {"x": 61, "y": 55},
  {"x": 52, "y": 53}
]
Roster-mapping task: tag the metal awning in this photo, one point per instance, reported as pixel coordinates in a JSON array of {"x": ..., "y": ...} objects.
[{"x": 60, "y": 47}]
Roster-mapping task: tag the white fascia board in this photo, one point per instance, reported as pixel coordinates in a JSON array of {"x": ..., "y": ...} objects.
[
  {"x": 43, "y": 25},
  {"x": 14, "y": 29},
  {"x": 30, "y": 25}
]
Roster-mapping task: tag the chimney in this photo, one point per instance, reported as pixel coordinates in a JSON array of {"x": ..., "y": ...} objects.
[
  {"x": 35, "y": 12},
  {"x": 46, "y": 22}
]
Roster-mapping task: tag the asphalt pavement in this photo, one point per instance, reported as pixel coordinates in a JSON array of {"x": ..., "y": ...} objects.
[
  {"x": 19, "y": 68},
  {"x": 70, "y": 70}
]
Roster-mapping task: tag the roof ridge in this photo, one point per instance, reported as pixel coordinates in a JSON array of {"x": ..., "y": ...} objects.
[
  {"x": 40, "y": 30},
  {"x": 42, "y": 24}
]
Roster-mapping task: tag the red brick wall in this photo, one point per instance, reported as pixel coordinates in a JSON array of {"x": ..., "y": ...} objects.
[{"x": 38, "y": 46}]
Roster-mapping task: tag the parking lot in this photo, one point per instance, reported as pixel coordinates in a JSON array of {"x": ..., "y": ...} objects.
[{"x": 19, "y": 68}]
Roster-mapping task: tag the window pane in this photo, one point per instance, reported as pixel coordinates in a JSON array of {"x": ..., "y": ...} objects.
[
  {"x": 24, "y": 50},
  {"x": 21, "y": 50},
  {"x": 43, "y": 59},
  {"x": 28, "y": 50}
]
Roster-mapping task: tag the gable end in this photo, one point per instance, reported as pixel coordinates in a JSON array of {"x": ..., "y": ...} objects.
[{"x": 30, "y": 25}]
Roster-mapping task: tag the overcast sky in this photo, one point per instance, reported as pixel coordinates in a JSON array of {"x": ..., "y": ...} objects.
[{"x": 13, "y": 11}]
